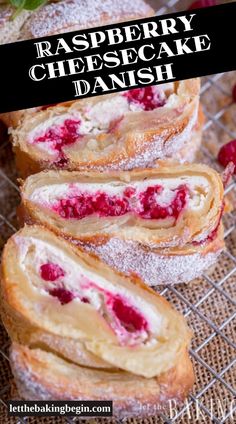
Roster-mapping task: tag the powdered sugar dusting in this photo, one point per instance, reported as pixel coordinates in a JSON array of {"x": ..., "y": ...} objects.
[
  {"x": 153, "y": 268},
  {"x": 27, "y": 385},
  {"x": 5, "y": 14},
  {"x": 78, "y": 14},
  {"x": 10, "y": 28}
]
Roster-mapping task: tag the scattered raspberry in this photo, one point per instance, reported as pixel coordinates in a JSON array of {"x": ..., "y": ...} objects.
[
  {"x": 202, "y": 3},
  {"x": 227, "y": 154},
  {"x": 51, "y": 272}
]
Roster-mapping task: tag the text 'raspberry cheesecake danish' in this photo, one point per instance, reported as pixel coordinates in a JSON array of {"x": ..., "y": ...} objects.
[
  {"x": 112, "y": 132},
  {"x": 163, "y": 224},
  {"x": 58, "y": 17},
  {"x": 120, "y": 339}
]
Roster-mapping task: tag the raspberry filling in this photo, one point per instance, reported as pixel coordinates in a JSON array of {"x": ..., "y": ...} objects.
[
  {"x": 129, "y": 318},
  {"x": 144, "y": 204},
  {"x": 60, "y": 136},
  {"x": 147, "y": 97}
]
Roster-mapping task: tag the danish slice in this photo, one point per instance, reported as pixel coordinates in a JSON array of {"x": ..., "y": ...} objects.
[
  {"x": 163, "y": 224},
  {"x": 42, "y": 375},
  {"x": 54, "y": 289},
  {"x": 118, "y": 131}
]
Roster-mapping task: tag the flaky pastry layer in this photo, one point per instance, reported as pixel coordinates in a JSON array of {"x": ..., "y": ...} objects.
[{"x": 42, "y": 375}]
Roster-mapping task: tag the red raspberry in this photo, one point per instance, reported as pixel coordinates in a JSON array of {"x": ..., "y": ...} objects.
[
  {"x": 202, "y": 3},
  {"x": 227, "y": 154}
]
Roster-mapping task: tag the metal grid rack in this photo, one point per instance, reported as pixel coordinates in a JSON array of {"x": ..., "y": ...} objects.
[{"x": 208, "y": 304}]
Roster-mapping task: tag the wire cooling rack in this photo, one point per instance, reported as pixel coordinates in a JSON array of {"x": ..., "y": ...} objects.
[{"x": 208, "y": 303}]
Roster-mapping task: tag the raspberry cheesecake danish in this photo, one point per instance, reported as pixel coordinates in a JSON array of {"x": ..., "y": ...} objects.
[
  {"x": 163, "y": 224},
  {"x": 64, "y": 301},
  {"x": 112, "y": 132},
  {"x": 42, "y": 375}
]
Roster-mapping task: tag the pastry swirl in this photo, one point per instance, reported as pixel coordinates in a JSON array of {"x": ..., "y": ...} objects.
[
  {"x": 105, "y": 313},
  {"x": 112, "y": 132},
  {"x": 143, "y": 221}
]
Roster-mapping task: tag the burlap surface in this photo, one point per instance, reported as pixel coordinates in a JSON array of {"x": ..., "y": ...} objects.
[{"x": 208, "y": 308}]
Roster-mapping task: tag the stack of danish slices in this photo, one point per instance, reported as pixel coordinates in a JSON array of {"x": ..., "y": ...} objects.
[{"x": 110, "y": 206}]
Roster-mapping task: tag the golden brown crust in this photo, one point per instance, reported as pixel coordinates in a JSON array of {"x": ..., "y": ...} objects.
[{"x": 40, "y": 375}]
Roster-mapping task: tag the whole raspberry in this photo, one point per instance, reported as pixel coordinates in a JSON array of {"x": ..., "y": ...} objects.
[{"x": 227, "y": 154}]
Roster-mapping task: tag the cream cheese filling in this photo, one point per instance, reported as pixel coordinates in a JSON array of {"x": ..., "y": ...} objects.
[{"x": 33, "y": 253}]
